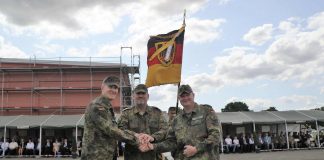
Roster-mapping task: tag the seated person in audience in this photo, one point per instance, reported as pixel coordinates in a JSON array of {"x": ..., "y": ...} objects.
[
  {"x": 259, "y": 141},
  {"x": 308, "y": 140},
  {"x": 5, "y": 147},
  {"x": 236, "y": 144},
  {"x": 13, "y": 147},
  {"x": 21, "y": 148},
  {"x": 244, "y": 143},
  {"x": 66, "y": 147},
  {"x": 282, "y": 141},
  {"x": 37, "y": 147},
  {"x": 275, "y": 141},
  {"x": 1, "y": 142},
  {"x": 48, "y": 148},
  {"x": 30, "y": 148},
  {"x": 291, "y": 139},
  {"x": 56, "y": 148},
  {"x": 267, "y": 141},
  {"x": 303, "y": 139},
  {"x": 228, "y": 143},
  {"x": 251, "y": 143}
]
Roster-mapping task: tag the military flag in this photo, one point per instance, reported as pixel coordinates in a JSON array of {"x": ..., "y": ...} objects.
[{"x": 164, "y": 58}]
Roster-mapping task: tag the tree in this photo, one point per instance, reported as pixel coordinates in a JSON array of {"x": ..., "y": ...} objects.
[
  {"x": 272, "y": 109},
  {"x": 235, "y": 107}
]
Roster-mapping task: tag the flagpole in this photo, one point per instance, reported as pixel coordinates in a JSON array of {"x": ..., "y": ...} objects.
[
  {"x": 184, "y": 18},
  {"x": 177, "y": 104},
  {"x": 183, "y": 25}
]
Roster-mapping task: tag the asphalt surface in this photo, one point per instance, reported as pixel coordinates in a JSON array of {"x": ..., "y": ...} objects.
[{"x": 315, "y": 154}]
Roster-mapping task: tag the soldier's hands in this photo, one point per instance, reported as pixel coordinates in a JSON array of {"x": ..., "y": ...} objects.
[
  {"x": 189, "y": 150},
  {"x": 144, "y": 142},
  {"x": 144, "y": 138},
  {"x": 146, "y": 147}
]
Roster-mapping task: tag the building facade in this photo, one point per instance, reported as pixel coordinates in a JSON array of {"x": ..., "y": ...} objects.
[{"x": 42, "y": 87}]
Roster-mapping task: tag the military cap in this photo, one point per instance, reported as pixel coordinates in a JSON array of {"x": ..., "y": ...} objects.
[
  {"x": 111, "y": 80},
  {"x": 140, "y": 88},
  {"x": 185, "y": 88}
]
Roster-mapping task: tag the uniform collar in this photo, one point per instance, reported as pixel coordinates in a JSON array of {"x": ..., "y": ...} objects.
[
  {"x": 104, "y": 100},
  {"x": 148, "y": 109},
  {"x": 194, "y": 111}
]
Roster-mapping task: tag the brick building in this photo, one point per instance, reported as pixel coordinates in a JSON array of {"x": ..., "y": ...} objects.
[{"x": 44, "y": 87}]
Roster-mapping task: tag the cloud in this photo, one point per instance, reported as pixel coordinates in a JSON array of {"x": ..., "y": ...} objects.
[
  {"x": 109, "y": 50},
  {"x": 322, "y": 90},
  {"x": 299, "y": 102},
  {"x": 80, "y": 18},
  {"x": 258, "y": 104},
  {"x": 259, "y": 35},
  {"x": 7, "y": 50},
  {"x": 163, "y": 96},
  {"x": 255, "y": 104},
  {"x": 48, "y": 48},
  {"x": 27, "y": 13},
  {"x": 298, "y": 57},
  {"x": 223, "y": 2},
  {"x": 316, "y": 21},
  {"x": 203, "y": 30},
  {"x": 203, "y": 81},
  {"x": 78, "y": 52}
]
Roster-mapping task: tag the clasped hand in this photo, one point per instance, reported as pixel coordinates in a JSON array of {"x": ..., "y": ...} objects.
[{"x": 144, "y": 142}]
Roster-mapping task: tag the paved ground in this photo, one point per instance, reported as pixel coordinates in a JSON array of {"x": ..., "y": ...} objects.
[{"x": 279, "y": 155}]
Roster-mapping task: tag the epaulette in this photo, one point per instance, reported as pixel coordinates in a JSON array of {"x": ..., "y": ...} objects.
[
  {"x": 208, "y": 107},
  {"x": 156, "y": 108}
]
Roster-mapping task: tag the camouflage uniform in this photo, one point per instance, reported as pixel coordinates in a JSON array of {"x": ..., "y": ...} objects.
[
  {"x": 151, "y": 122},
  {"x": 101, "y": 132},
  {"x": 199, "y": 128}
]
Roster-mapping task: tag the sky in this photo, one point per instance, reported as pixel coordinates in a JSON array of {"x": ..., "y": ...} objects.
[{"x": 260, "y": 52}]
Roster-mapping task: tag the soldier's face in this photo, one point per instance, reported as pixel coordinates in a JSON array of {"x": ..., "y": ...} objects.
[
  {"x": 140, "y": 99},
  {"x": 187, "y": 99},
  {"x": 110, "y": 92},
  {"x": 172, "y": 114}
]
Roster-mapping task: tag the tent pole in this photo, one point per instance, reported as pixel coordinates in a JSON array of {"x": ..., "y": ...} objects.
[
  {"x": 4, "y": 139},
  {"x": 253, "y": 126},
  {"x": 318, "y": 140},
  {"x": 288, "y": 145},
  {"x": 221, "y": 135},
  {"x": 76, "y": 135},
  {"x": 40, "y": 141},
  {"x": 76, "y": 131},
  {"x": 5, "y": 131}
]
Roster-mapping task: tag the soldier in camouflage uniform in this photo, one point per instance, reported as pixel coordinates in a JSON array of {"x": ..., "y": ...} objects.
[
  {"x": 194, "y": 132},
  {"x": 142, "y": 118},
  {"x": 100, "y": 127}
]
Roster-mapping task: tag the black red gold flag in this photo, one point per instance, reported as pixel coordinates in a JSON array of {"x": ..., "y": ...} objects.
[{"x": 164, "y": 58}]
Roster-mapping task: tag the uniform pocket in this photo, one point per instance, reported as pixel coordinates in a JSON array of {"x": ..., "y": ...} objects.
[
  {"x": 154, "y": 126},
  {"x": 133, "y": 124}
]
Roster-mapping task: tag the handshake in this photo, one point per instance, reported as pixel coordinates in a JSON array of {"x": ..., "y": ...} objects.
[{"x": 144, "y": 142}]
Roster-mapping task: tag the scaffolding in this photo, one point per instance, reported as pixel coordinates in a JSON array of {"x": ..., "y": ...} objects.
[
  {"x": 134, "y": 74},
  {"x": 63, "y": 85}
]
